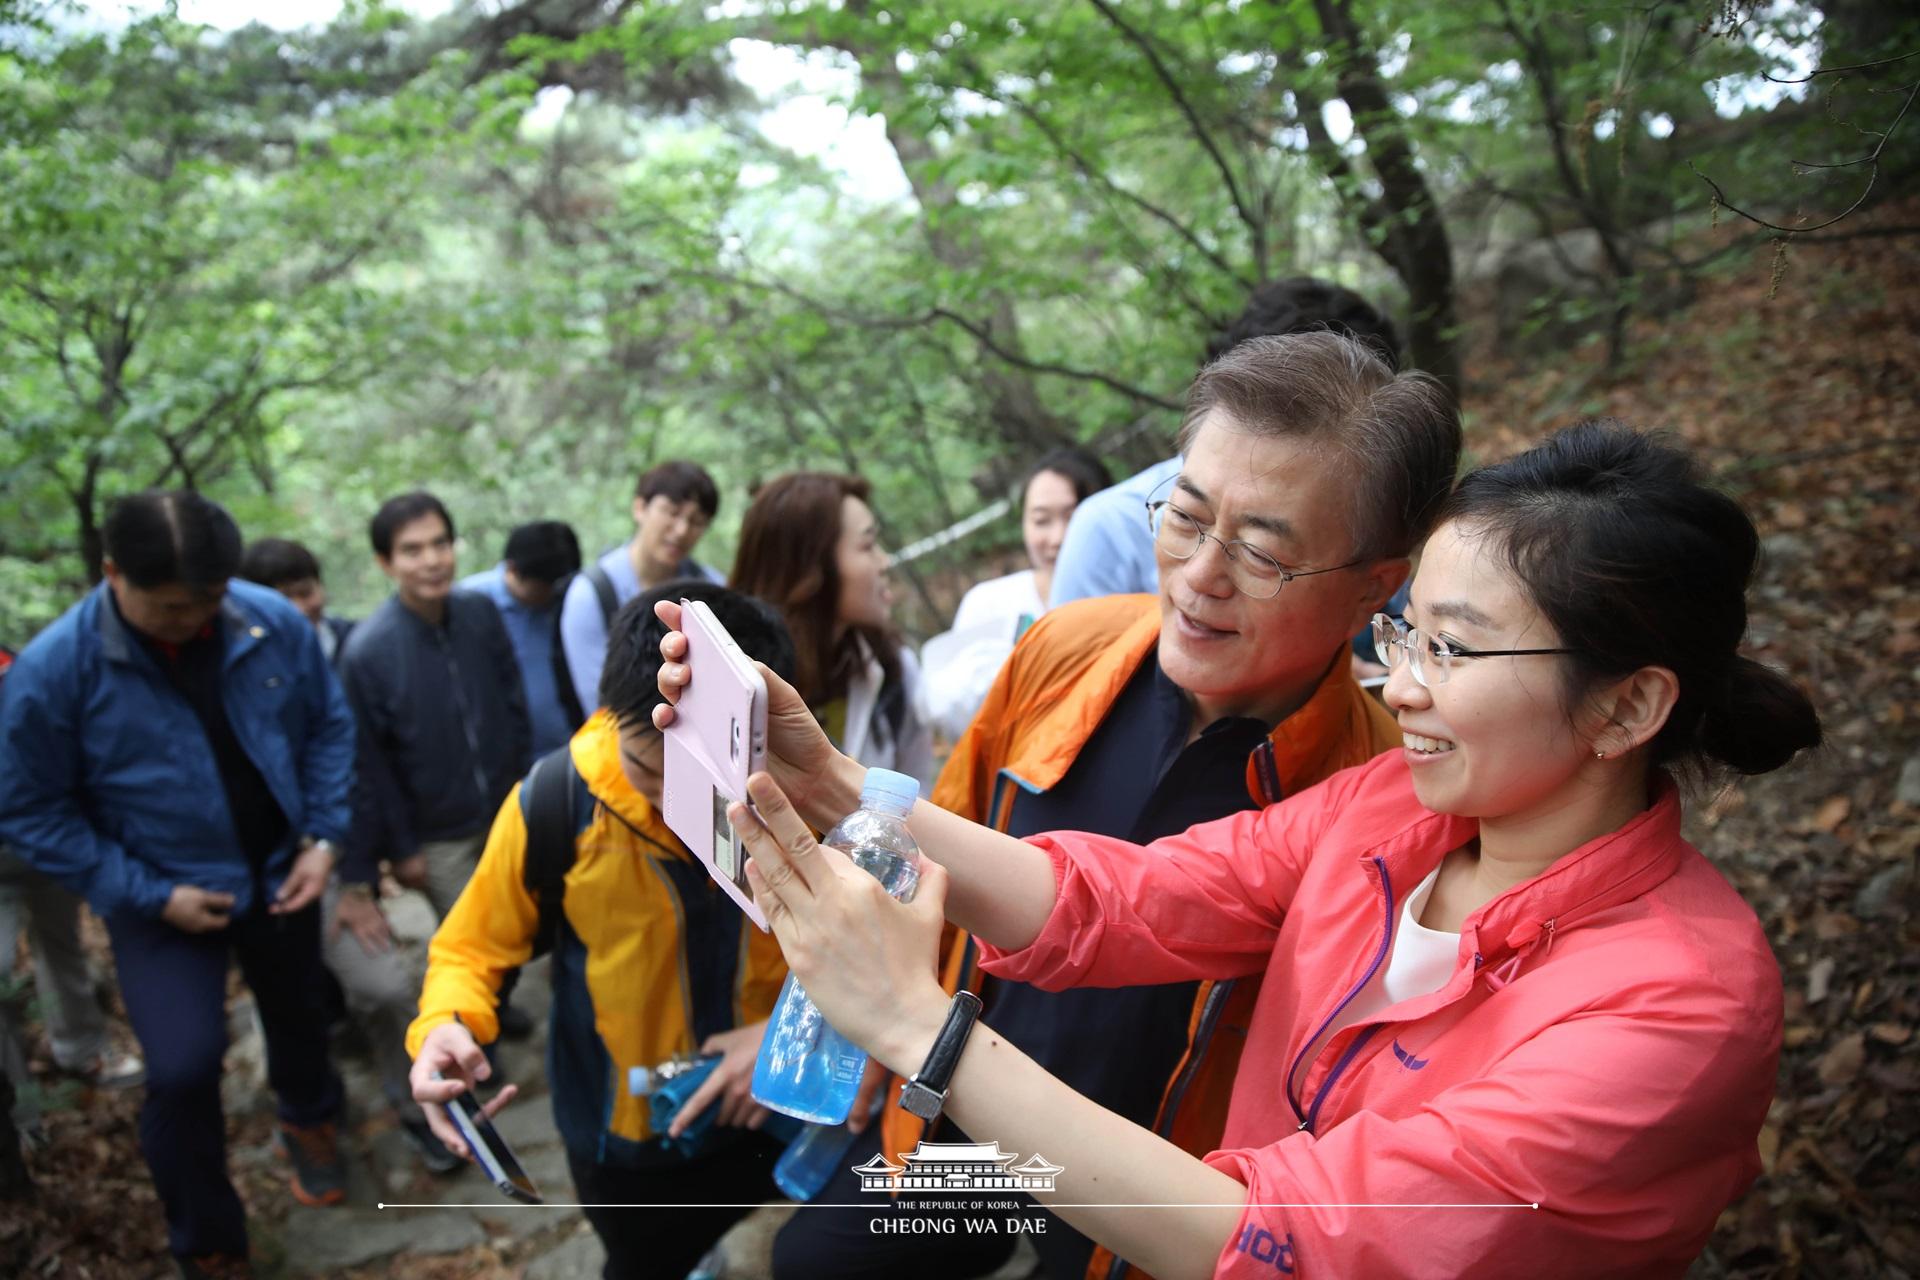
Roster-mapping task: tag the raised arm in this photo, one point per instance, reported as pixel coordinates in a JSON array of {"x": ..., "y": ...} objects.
[
  {"x": 1002, "y": 888},
  {"x": 867, "y": 961}
]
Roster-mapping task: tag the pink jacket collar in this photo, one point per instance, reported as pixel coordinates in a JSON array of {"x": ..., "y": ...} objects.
[{"x": 1606, "y": 872}]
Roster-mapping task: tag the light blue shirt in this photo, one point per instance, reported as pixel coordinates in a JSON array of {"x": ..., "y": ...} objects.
[
  {"x": 531, "y": 631},
  {"x": 583, "y": 628},
  {"x": 1108, "y": 549}
]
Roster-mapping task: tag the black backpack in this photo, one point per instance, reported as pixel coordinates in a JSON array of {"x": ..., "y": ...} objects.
[
  {"x": 550, "y": 808},
  {"x": 562, "y": 674}
]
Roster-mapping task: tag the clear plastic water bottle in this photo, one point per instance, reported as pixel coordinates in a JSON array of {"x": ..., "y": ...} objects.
[
  {"x": 812, "y": 1158},
  {"x": 807, "y": 1069}
]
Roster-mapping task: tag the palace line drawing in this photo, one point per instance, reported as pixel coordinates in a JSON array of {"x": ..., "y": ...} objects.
[{"x": 960, "y": 1168}]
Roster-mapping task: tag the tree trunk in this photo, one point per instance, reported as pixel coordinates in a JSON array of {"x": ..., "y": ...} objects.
[
  {"x": 86, "y": 509},
  {"x": 1404, "y": 226}
]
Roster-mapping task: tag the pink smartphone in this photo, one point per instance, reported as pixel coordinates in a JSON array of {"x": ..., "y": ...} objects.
[{"x": 717, "y": 739}]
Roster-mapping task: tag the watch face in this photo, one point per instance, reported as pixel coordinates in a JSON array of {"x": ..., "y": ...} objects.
[{"x": 918, "y": 1100}]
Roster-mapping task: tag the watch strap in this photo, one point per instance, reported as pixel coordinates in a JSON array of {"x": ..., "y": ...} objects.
[{"x": 928, "y": 1087}]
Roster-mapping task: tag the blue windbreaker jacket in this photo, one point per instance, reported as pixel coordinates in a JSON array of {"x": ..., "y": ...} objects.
[{"x": 108, "y": 784}]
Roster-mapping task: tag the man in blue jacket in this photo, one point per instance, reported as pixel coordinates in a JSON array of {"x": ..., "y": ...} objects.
[{"x": 176, "y": 748}]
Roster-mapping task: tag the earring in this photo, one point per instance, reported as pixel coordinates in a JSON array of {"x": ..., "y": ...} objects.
[{"x": 1599, "y": 755}]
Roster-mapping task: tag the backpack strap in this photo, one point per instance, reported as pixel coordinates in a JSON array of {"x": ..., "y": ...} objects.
[
  {"x": 609, "y": 602},
  {"x": 562, "y": 672},
  {"x": 547, "y": 806},
  {"x": 603, "y": 589}
]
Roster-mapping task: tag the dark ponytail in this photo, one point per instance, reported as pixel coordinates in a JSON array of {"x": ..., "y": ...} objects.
[
  {"x": 1637, "y": 562},
  {"x": 1761, "y": 721}
]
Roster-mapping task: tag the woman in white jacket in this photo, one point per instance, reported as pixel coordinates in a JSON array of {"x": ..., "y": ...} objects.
[
  {"x": 962, "y": 662},
  {"x": 810, "y": 546}
]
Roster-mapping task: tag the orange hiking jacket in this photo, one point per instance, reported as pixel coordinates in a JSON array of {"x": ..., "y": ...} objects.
[{"x": 1052, "y": 694}]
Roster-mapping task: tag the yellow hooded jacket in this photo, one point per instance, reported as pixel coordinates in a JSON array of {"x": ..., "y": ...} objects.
[{"x": 651, "y": 956}]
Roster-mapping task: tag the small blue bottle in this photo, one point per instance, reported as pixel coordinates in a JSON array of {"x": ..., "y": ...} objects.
[
  {"x": 807, "y": 1069},
  {"x": 811, "y": 1160}
]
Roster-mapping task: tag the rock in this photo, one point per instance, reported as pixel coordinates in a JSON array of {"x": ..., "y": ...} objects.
[
  {"x": 527, "y": 1123},
  {"x": 1784, "y": 548},
  {"x": 328, "y": 1241},
  {"x": 1877, "y": 894},
  {"x": 243, "y": 1074},
  {"x": 579, "y": 1258},
  {"x": 547, "y": 1166},
  {"x": 748, "y": 1245},
  {"x": 410, "y": 916},
  {"x": 1907, "y": 790}
]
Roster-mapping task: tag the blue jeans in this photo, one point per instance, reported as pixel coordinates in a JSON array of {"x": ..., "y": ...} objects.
[{"x": 175, "y": 986}]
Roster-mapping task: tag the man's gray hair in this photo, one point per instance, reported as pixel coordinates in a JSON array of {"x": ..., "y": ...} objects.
[{"x": 1396, "y": 436}]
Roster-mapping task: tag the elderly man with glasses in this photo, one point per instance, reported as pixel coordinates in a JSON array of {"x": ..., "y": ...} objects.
[{"x": 1309, "y": 472}]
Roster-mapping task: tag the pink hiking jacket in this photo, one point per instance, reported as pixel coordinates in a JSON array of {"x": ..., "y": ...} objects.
[{"x": 1605, "y": 1048}]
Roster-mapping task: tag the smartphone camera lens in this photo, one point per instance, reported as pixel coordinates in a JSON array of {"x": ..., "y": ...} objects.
[{"x": 733, "y": 745}]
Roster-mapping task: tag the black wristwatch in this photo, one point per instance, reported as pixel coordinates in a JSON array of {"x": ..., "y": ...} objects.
[{"x": 926, "y": 1093}]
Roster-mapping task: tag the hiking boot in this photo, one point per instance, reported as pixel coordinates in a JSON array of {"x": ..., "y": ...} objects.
[
  {"x": 515, "y": 1023},
  {"x": 215, "y": 1266},
  {"x": 319, "y": 1173},
  {"x": 433, "y": 1153}
]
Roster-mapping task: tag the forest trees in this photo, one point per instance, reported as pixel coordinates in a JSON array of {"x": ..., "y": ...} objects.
[
  {"x": 520, "y": 249},
  {"x": 193, "y": 234}
]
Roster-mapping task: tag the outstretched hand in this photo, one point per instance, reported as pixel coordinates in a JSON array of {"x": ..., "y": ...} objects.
[
  {"x": 867, "y": 961},
  {"x": 800, "y": 756}
]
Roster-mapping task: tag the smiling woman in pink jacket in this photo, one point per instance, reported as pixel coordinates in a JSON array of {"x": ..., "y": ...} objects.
[{"x": 1512, "y": 1023}]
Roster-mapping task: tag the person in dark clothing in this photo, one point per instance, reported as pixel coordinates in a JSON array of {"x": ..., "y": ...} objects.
[
  {"x": 373, "y": 985},
  {"x": 433, "y": 681},
  {"x": 444, "y": 732},
  {"x": 291, "y": 569},
  {"x": 527, "y": 586},
  {"x": 176, "y": 748}
]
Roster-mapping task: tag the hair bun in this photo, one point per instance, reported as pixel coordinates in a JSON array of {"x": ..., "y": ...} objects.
[{"x": 1758, "y": 719}]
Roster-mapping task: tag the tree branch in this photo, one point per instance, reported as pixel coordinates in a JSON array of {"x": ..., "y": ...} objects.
[
  {"x": 985, "y": 339},
  {"x": 1836, "y": 71},
  {"x": 1134, "y": 198},
  {"x": 1164, "y": 74},
  {"x": 1871, "y": 160}
]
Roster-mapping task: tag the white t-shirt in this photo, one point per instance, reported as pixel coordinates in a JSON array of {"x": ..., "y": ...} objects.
[{"x": 958, "y": 666}]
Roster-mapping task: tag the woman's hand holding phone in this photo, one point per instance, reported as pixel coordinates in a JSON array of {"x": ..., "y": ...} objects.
[{"x": 824, "y": 784}]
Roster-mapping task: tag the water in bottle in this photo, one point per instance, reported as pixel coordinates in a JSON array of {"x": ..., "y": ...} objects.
[
  {"x": 806, "y": 1068},
  {"x": 813, "y": 1157}
]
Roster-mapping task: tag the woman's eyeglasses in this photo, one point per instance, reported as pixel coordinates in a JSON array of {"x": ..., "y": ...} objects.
[{"x": 1432, "y": 657}]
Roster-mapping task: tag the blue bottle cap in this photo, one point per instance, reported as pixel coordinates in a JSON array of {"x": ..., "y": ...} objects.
[{"x": 887, "y": 787}]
